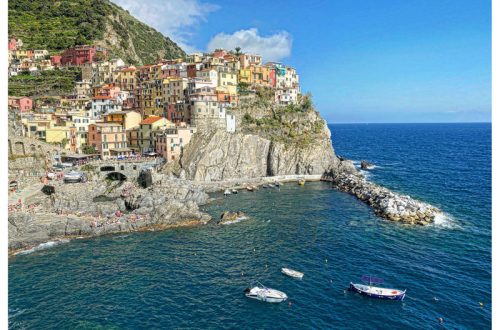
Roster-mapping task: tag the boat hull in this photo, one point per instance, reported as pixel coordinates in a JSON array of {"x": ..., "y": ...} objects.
[
  {"x": 359, "y": 289},
  {"x": 266, "y": 299},
  {"x": 292, "y": 273},
  {"x": 266, "y": 295}
]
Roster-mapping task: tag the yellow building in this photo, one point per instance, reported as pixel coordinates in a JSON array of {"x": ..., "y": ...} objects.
[
  {"x": 227, "y": 81},
  {"x": 36, "y": 124},
  {"x": 65, "y": 136},
  {"x": 146, "y": 140},
  {"x": 128, "y": 119}
]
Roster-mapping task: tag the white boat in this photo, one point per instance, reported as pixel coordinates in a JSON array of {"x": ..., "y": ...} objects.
[
  {"x": 262, "y": 293},
  {"x": 227, "y": 192},
  {"x": 374, "y": 291},
  {"x": 234, "y": 191},
  {"x": 292, "y": 273}
]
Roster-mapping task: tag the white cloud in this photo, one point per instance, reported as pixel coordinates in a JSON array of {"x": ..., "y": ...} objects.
[
  {"x": 176, "y": 19},
  {"x": 272, "y": 48}
]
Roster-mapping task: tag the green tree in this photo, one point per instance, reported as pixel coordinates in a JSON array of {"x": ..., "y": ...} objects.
[{"x": 88, "y": 150}]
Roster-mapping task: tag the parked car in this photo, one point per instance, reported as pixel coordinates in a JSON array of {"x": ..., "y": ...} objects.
[{"x": 75, "y": 177}]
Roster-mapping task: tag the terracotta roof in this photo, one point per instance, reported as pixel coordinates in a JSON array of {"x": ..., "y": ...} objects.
[
  {"x": 150, "y": 120},
  {"x": 102, "y": 97}
]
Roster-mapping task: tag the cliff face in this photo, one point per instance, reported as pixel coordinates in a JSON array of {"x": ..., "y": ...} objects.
[{"x": 284, "y": 141}]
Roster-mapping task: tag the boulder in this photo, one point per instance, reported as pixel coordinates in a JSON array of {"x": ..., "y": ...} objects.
[
  {"x": 230, "y": 216},
  {"x": 366, "y": 165}
]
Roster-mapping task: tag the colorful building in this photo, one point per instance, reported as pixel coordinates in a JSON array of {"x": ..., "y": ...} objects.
[
  {"x": 23, "y": 104},
  {"x": 78, "y": 55},
  {"x": 149, "y": 125},
  {"x": 109, "y": 140},
  {"x": 170, "y": 143},
  {"x": 127, "y": 119}
]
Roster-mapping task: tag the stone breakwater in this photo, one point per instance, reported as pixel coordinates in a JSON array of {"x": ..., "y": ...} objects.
[{"x": 385, "y": 203}]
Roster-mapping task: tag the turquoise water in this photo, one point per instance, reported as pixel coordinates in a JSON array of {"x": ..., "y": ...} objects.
[{"x": 192, "y": 278}]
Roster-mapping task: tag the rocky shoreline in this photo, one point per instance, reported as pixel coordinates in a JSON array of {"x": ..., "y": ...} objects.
[
  {"x": 108, "y": 208},
  {"x": 385, "y": 203}
]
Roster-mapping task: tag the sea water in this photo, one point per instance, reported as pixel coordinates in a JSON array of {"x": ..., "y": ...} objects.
[{"x": 194, "y": 278}]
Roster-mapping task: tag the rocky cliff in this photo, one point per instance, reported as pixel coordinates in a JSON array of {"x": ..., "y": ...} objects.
[
  {"x": 280, "y": 140},
  {"x": 106, "y": 208}
]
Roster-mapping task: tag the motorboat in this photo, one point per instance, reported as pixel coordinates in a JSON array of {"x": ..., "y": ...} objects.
[
  {"x": 262, "y": 293},
  {"x": 227, "y": 192},
  {"x": 376, "y": 292},
  {"x": 234, "y": 191},
  {"x": 292, "y": 273}
]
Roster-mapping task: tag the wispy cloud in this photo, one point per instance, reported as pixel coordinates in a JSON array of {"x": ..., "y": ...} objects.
[
  {"x": 177, "y": 19},
  {"x": 272, "y": 48}
]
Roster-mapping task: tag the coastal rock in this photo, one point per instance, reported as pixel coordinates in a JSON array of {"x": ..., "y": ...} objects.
[
  {"x": 385, "y": 203},
  {"x": 366, "y": 165},
  {"x": 230, "y": 217},
  {"x": 106, "y": 209}
]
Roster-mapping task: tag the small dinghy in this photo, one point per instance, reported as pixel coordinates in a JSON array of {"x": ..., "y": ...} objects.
[
  {"x": 302, "y": 182},
  {"x": 234, "y": 191},
  {"x": 227, "y": 192},
  {"x": 271, "y": 185},
  {"x": 292, "y": 273},
  {"x": 376, "y": 292},
  {"x": 249, "y": 188},
  {"x": 260, "y": 292}
]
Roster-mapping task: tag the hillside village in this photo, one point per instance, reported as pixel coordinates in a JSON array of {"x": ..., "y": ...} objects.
[{"x": 120, "y": 111}]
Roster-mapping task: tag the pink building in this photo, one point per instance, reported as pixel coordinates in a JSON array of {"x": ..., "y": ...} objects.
[
  {"x": 171, "y": 142},
  {"x": 55, "y": 60},
  {"x": 13, "y": 44},
  {"x": 23, "y": 104},
  {"x": 110, "y": 90},
  {"x": 218, "y": 53},
  {"x": 78, "y": 55}
]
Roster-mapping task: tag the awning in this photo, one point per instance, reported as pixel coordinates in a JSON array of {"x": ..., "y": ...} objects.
[{"x": 120, "y": 150}]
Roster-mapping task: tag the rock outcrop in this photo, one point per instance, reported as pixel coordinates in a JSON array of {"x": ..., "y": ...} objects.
[
  {"x": 366, "y": 165},
  {"x": 228, "y": 217},
  {"x": 283, "y": 143},
  {"x": 97, "y": 208},
  {"x": 385, "y": 203}
]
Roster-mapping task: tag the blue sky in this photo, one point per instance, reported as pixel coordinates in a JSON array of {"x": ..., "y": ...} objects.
[{"x": 363, "y": 61}]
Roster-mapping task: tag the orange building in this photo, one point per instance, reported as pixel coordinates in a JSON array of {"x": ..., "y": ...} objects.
[{"x": 109, "y": 140}]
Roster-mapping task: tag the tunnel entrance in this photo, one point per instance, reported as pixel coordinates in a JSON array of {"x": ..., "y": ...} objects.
[{"x": 116, "y": 176}]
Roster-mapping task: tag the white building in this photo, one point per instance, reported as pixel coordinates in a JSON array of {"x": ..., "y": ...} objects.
[
  {"x": 230, "y": 122},
  {"x": 102, "y": 105},
  {"x": 286, "y": 96},
  {"x": 209, "y": 75}
]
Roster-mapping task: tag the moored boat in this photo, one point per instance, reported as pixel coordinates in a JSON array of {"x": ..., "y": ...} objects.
[
  {"x": 292, "y": 273},
  {"x": 376, "y": 292},
  {"x": 234, "y": 191},
  {"x": 302, "y": 182},
  {"x": 227, "y": 192},
  {"x": 262, "y": 293},
  {"x": 249, "y": 188}
]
